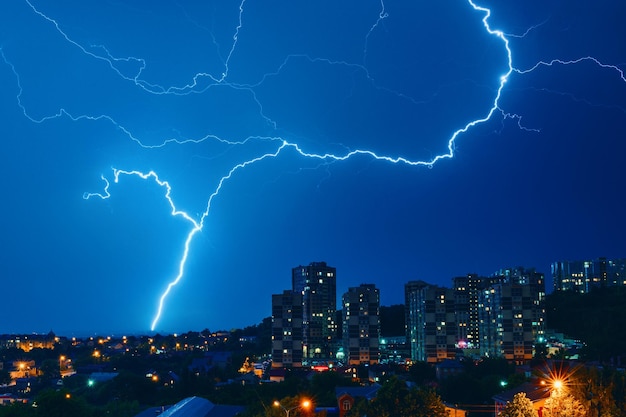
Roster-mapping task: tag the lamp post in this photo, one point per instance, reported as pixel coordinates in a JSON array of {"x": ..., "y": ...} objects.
[
  {"x": 61, "y": 360},
  {"x": 306, "y": 404}
]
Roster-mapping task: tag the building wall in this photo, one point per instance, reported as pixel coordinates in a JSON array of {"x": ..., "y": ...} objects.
[
  {"x": 28, "y": 342},
  {"x": 466, "y": 298},
  {"x": 499, "y": 315},
  {"x": 23, "y": 369},
  {"x": 287, "y": 331},
  {"x": 361, "y": 324},
  {"x": 318, "y": 286},
  {"x": 345, "y": 402},
  {"x": 432, "y": 318},
  {"x": 583, "y": 276},
  {"x": 409, "y": 288},
  {"x": 535, "y": 288},
  {"x": 507, "y": 319}
]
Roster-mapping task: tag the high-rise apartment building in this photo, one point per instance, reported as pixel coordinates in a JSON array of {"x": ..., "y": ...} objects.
[
  {"x": 361, "y": 325},
  {"x": 583, "y": 276},
  {"x": 318, "y": 286},
  {"x": 409, "y": 288},
  {"x": 507, "y": 329},
  {"x": 466, "y": 291},
  {"x": 432, "y": 323},
  {"x": 511, "y": 314},
  {"x": 502, "y": 315},
  {"x": 287, "y": 332}
]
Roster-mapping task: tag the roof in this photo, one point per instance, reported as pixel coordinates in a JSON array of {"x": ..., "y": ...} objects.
[
  {"x": 449, "y": 364},
  {"x": 367, "y": 392},
  {"x": 209, "y": 360},
  {"x": 534, "y": 393},
  {"x": 194, "y": 407},
  {"x": 103, "y": 376}
]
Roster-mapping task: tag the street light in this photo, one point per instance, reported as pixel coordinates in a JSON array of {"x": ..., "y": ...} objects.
[{"x": 305, "y": 404}]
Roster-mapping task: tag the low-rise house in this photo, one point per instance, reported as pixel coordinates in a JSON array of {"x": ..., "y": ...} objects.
[
  {"x": 23, "y": 369},
  {"x": 6, "y": 399},
  {"x": 347, "y": 396},
  {"x": 210, "y": 360},
  {"x": 102, "y": 376},
  {"x": 454, "y": 410},
  {"x": 25, "y": 385},
  {"x": 448, "y": 367},
  {"x": 193, "y": 407},
  {"x": 277, "y": 374},
  {"x": 536, "y": 393}
]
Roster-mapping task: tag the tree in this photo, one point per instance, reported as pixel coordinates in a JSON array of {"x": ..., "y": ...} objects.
[
  {"x": 521, "y": 406},
  {"x": 5, "y": 377},
  {"x": 597, "y": 389},
  {"x": 541, "y": 352},
  {"x": 578, "y": 315},
  {"x": 561, "y": 404},
  {"x": 360, "y": 408},
  {"x": 422, "y": 373},
  {"x": 18, "y": 409},
  {"x": 389, "y": 399},
  {"x": 395, "y": 399},
  {"x": 49, "y": 370},
  {"x": 130, "y": 387},
  {"x": 323, "y": 387},
  {"x": 425, "y": 403},
  {"x": 121, "y": 408},
  {"x": 51, "y": 403}
]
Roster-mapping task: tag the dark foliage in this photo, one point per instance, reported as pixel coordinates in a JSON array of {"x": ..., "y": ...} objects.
[
  {"x": 597, "y": 318},
  {"x": 480, "y": 382}
]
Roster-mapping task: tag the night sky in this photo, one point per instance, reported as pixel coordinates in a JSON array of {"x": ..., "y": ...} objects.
[{"x": 252, "y": 112}]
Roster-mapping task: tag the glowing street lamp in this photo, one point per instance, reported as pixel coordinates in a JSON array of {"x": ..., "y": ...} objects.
[
  {"x": 558, "y": 380},
  {"x": 61, "y": 360},
  {"x": 305, "y": 404}
]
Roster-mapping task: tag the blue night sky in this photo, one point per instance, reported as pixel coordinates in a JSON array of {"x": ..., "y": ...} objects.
[{"x": 305, "y": 130}]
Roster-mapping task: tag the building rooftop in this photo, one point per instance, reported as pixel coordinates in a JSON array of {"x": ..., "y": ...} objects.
[
  {"x": 534, "y": 392},
  {"x": 367, "y": 392},
  {"x": 194, "y": 407}
]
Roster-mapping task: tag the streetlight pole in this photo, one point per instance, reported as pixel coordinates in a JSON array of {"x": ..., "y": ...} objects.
[
  {"x": 61, "y": 360},
  {"x": 303, "y": 404}
]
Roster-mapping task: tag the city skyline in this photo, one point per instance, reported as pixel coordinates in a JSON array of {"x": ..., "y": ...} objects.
[{"x": 396, "y": 142}]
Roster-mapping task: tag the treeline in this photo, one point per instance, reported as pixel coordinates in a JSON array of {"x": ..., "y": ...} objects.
[{"x": 597, "y": 318}]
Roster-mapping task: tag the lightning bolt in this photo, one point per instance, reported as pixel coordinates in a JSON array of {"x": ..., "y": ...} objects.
[
  {"x": 202, "y": 81},
  {"x": 591, "y": 59}
]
